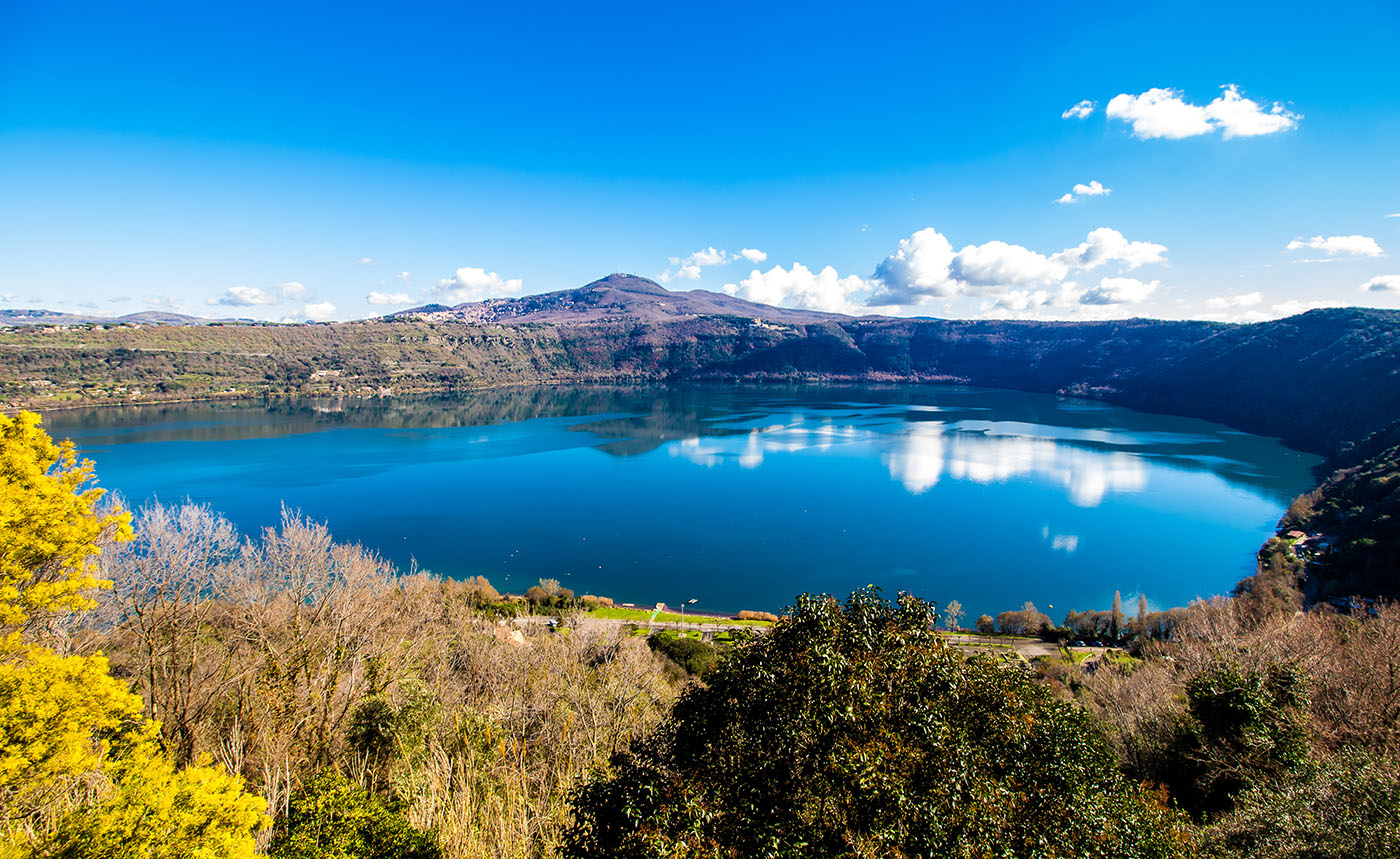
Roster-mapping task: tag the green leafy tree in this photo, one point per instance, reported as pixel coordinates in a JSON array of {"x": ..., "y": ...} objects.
[
  {"x": 1343, "y": 809},
  {"x": 331, "y": 817},
  {"x": 692, "y": 654},
  {"x": 854, "y": 730},
  {"x": 1246, "y": 730}
]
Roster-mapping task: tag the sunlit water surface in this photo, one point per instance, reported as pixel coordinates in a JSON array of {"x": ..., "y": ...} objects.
[{"x": 735, "y": 498}]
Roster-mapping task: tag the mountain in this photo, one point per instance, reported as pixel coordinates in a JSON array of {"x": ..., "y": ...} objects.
[
  {"x": 1326, "y": 381},
  {"x": 615, "y": 297},
  {"x": 145, "y": 317}
]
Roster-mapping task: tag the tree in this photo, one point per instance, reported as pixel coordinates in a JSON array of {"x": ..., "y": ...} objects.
[
  {"x": 331, "y": 817},
  {"x": 855, "y": 730},
  {"x": 82, "y": 773},
  {"x": 1116, "y": 630},
  {"x": 952, "y": 614},
  {"x": 50, "y": 526},
  {"x": 986, "y": 625},
  {"x": 1142, "y": 616}
]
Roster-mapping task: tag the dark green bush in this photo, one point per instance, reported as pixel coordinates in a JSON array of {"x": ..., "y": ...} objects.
[
  {"x": 331, "y": 817},
  {"x": 856, "y": 730},
  {"x": 692, "y": 654}
]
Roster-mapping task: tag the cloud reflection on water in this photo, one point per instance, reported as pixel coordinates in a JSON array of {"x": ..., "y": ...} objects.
[{"x": 924, "y": 453}]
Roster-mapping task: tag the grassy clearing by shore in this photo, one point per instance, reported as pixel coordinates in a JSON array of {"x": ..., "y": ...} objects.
[{"x": 641, "y": 615}]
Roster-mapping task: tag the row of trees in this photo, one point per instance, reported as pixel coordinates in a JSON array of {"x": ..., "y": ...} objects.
[{"x": 1111, "y": 625}]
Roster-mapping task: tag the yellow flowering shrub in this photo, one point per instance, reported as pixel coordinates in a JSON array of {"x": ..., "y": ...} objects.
[
  {"x": 49, "y": 524},
  {"x": 58, "y": 719},
  {"x": 82, "y": 773}
]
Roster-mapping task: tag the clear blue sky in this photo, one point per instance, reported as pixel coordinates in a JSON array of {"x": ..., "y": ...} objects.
[{"x": 287, "y": 160}]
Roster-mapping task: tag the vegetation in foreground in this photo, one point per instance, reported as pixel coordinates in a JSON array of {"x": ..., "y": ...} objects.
[{"x": 171, "y": 689}]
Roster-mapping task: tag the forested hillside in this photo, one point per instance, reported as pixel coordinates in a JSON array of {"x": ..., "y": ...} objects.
[
  {"x": 1324, "y": 381},
  {"x": 1319, "y": 381}
]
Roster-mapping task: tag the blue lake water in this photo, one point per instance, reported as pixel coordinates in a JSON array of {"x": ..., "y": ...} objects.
[{"x": 737, "y": 498}]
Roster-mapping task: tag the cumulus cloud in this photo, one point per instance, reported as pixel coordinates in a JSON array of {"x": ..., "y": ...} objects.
[
  {"x": 1106, "y": 245},
  {"x": 1164, "y": 112},
  {"x": 1080, "y": 110},
  {"x": 919, "y": 269},
  {"x": 245, "y": 296},
  {"x": 1383, "y": 283},
  {"x": 1238, "y": 116},
  {"x": 476, "y": 284},
  {"x": 1332, "y": 245},
  {"x": 312, "y": 312},
  {"x": 799, "y": 286},
  {"x": 1118, "y": 290},
  {"x": 1015, "y": 279},
  {"x": 252, "y": 296},
  {"x": 1080, "y": 190},
  {"x": 998, "y": 263},
  {"x": 690, "y": 267},
  {"x": 389, "y": 298}
]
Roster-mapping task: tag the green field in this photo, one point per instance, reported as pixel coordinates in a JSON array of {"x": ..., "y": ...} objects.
[{"x": 641, "y": 615}]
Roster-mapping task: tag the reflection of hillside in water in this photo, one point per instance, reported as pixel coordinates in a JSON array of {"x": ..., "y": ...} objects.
[{"x": 925, "y": 433}]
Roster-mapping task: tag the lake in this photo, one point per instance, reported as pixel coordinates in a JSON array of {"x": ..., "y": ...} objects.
[{"x": 736, "y": 498}]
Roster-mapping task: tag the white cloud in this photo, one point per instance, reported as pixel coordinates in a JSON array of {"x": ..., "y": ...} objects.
[
  {"x": 162, "y": 302},
  {"x": 245, "y": 296},
  {"x": 318, "y": 312},
  {"x": 801, "y": 287},
  {"x": 1234, "y": 302},
  {"x": 1238, "y": 116},
  {"x": 1164, "y": 112},
  {"x": 252, "y": 296},
  {"x": 1118, "y": 290},
  {"x": 919, "y": 269},
  {"x": 1293, "y": 308},
  {"x": 1105, "y": 245},
  {"x": 708, "y": 256},
  {"x": 389, "y": 298},
  {"x": 925, "y": 267},
  {"x": 1353, "y": 245},
  {"x": 476, "y": 284},
  {"x": 403, "y": 276},
  {"x": 1080, "y": 110},
  {"x": 368, "y": 261},
  {"x": 1159, "y": 112},
  {"x": 1382, "y": 283},
  {"x": 998, "y": 263},
  {"x": 1080, "y": 190},
  {"x": 1393, "y": 215},
  {"x": 689, "y": 267}
]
